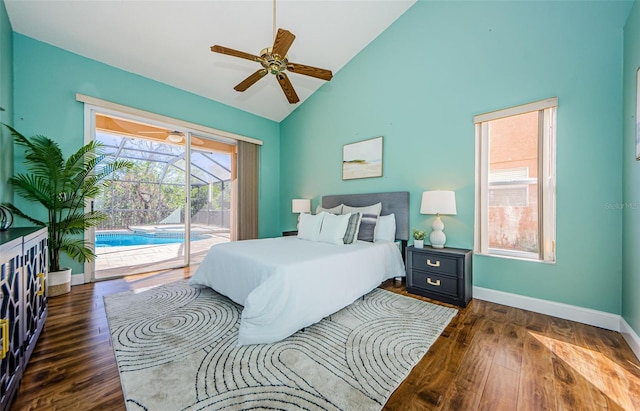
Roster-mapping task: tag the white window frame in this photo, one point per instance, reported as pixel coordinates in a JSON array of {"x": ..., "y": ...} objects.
[{"x": 546, "y": 180}]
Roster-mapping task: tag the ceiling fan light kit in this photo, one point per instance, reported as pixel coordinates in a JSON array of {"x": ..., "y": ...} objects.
[
  {"x": 274, "y": 60},
  {"x": 174, "y": 137}
]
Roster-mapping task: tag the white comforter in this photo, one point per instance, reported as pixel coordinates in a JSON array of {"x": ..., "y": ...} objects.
[{"x": 286, "y": 283}]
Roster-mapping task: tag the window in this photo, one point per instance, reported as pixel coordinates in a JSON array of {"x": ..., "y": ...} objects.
[{"x": 515, "y": 181}]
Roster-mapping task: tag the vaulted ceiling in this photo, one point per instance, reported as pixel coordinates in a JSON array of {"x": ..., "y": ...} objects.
[{"x": 169, "y": 41}]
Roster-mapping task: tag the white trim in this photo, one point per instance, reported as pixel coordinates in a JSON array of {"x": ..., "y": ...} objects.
[
  {"x": 512, "y": 111},
  {"x": 630, "y": 337},
  {"x": 77, "y": 279},
  {"x": 568, "y": 312},
  {"x": 90, "y": 233},
  {"x": 165, "y": 119},
  {"x": 481, "y": 202}
]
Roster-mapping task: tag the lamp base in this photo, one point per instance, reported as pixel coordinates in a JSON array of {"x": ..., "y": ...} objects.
[{"x": 437, "y": 236}]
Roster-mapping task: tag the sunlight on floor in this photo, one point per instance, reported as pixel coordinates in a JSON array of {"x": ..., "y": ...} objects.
[{"x": 613, "y": 380}]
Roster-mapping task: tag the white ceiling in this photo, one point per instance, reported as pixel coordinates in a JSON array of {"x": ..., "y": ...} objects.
[{"x": 169, "y": 41}]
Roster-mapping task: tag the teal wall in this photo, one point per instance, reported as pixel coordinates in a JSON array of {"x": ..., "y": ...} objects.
[
  {"x": 631, "y": 176},
  {"x": 47, "y": 80},
  {"x": 420, "y": 83},
  {"x": 6, "y": 102}
]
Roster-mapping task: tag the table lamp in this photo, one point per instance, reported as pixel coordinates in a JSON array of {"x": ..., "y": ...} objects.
[{"x": 438, "y": 202}]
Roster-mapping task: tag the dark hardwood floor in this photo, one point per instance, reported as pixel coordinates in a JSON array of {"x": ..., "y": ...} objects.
[{"x": 490, "y": 357}]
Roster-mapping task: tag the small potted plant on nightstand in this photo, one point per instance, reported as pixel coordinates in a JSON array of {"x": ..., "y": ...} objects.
[{"x": 418, "y": 238}]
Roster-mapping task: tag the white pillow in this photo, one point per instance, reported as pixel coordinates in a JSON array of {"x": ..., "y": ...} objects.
[
  {"x": 369, "y": 219},
  {"x": 386, "y": 228},
  {"x": 334, "y": 210},
  {"x": 309, "y": 226},
  {"x": 333, "y": 228}
]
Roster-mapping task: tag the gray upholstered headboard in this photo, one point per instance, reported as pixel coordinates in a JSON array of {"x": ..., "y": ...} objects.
[{"x": 394, "y": 202}]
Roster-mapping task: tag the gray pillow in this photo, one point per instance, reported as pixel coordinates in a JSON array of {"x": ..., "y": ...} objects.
[
  {"x": 368, "y": 222},
  {"x": 351, "y": 235}
]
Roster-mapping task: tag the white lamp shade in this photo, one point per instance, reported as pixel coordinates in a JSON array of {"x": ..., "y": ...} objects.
[
  {"x": 438, "y": 202},
  {"x": 300, "y": 206}
]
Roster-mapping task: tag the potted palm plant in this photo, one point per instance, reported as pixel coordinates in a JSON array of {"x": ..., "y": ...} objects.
[{"x": 61, "y": 187}]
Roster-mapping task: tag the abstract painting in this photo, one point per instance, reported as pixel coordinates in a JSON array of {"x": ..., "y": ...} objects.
[{"x": 362, "y": 159}]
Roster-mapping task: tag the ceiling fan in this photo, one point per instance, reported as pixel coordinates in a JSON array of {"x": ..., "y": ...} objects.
[{"x": 274, "y": 60}]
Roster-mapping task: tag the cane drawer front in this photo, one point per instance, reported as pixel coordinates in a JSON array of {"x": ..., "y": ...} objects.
[
  {"x": 436, "y": 263},
  {"x": 434, "y": 282}
]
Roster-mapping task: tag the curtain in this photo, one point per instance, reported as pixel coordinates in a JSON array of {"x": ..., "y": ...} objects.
[{"x": 247, "y": 192}]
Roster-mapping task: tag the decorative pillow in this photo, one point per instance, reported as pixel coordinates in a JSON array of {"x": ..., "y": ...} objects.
[
  {"x": 386, "y": 228},
  {"x": 309, "y": 226},
  {"x": 351, "y": 235},
  {"x": 368, "y": 222},
  {"x": 333, "y": 228},
  {"x": 334, "y": 210}
]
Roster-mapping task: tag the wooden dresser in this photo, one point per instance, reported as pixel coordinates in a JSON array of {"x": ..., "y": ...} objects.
[{"x": 443, "y": 274}]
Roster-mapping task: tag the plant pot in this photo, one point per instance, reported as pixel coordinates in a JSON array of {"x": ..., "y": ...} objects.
[
  {"x": 59, "y": 282},
  {"x": 418, "y": 243}
]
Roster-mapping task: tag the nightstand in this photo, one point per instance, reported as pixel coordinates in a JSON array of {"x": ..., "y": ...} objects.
[
  {"x": 443, "y": 274},
  {"x": 288, "y": 233}
]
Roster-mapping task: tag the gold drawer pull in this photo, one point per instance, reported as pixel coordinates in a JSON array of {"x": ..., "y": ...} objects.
[
  {"x": 42, "y": 280},
  {"x": 430, "y": 264},
  {"x": 4, "y": 324},
  {"x": 431, "y": 282}
]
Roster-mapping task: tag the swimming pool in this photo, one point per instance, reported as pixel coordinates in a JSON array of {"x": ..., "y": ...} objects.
[{"x": 131, "y": 239}]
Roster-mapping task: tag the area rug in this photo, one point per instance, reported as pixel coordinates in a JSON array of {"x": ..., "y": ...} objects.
[{"x": 176, "y": 349}]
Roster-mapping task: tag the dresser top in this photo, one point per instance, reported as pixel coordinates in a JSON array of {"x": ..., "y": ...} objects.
[{"x": 13, "y": 233}]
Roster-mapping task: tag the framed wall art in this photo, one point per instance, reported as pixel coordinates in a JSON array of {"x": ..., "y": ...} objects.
[{"x": 362, "y": 159}]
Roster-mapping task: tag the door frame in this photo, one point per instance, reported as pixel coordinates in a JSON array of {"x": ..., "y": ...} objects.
[{"x": 90, "y": 112}]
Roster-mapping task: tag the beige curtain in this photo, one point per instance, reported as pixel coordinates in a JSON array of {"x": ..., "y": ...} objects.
[{"x": 247, "y": 189}]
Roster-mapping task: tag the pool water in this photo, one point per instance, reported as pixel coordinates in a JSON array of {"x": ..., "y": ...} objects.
[{"x": 131, "y": 239}]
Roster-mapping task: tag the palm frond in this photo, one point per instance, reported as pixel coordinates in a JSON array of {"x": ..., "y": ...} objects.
[
  {"x": 16, "y": 211},
  {"x": 77, "y": 222},
  {"x": 33, "y": 187},
  {"x": 44, "y": 157},
  {"x": 77, "y": 249}
]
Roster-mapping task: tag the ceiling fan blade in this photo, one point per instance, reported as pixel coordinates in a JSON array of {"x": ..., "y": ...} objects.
[
  {"x": 284, "y": 40},
  {"x": 316, "y": 72},
  {"x": 251, "y": 80},
  {"x": 287, "y": 87},
  {"x": 235, "y": 53}
]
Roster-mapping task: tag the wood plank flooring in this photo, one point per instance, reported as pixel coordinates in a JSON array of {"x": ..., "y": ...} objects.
[{"x": 490, "y": 357}]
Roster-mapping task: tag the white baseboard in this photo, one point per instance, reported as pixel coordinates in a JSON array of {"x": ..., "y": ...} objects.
[
  {"x": 568, "y": 312},
  {"x": 630, "y": 336},
  {"x": 77, "y": 279}
]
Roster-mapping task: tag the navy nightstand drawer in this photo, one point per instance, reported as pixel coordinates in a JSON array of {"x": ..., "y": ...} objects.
[
  {"x": 434, "y": 282},
  {"x": 437, "y": 263}
]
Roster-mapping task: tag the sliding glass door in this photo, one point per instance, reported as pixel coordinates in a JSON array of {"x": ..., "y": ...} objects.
[
  {"x": 170, "y": 207},
  {"x": 212, "y": 173}
]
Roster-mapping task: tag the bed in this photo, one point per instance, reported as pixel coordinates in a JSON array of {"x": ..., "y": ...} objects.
[{"x": 287, "y": 283}]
